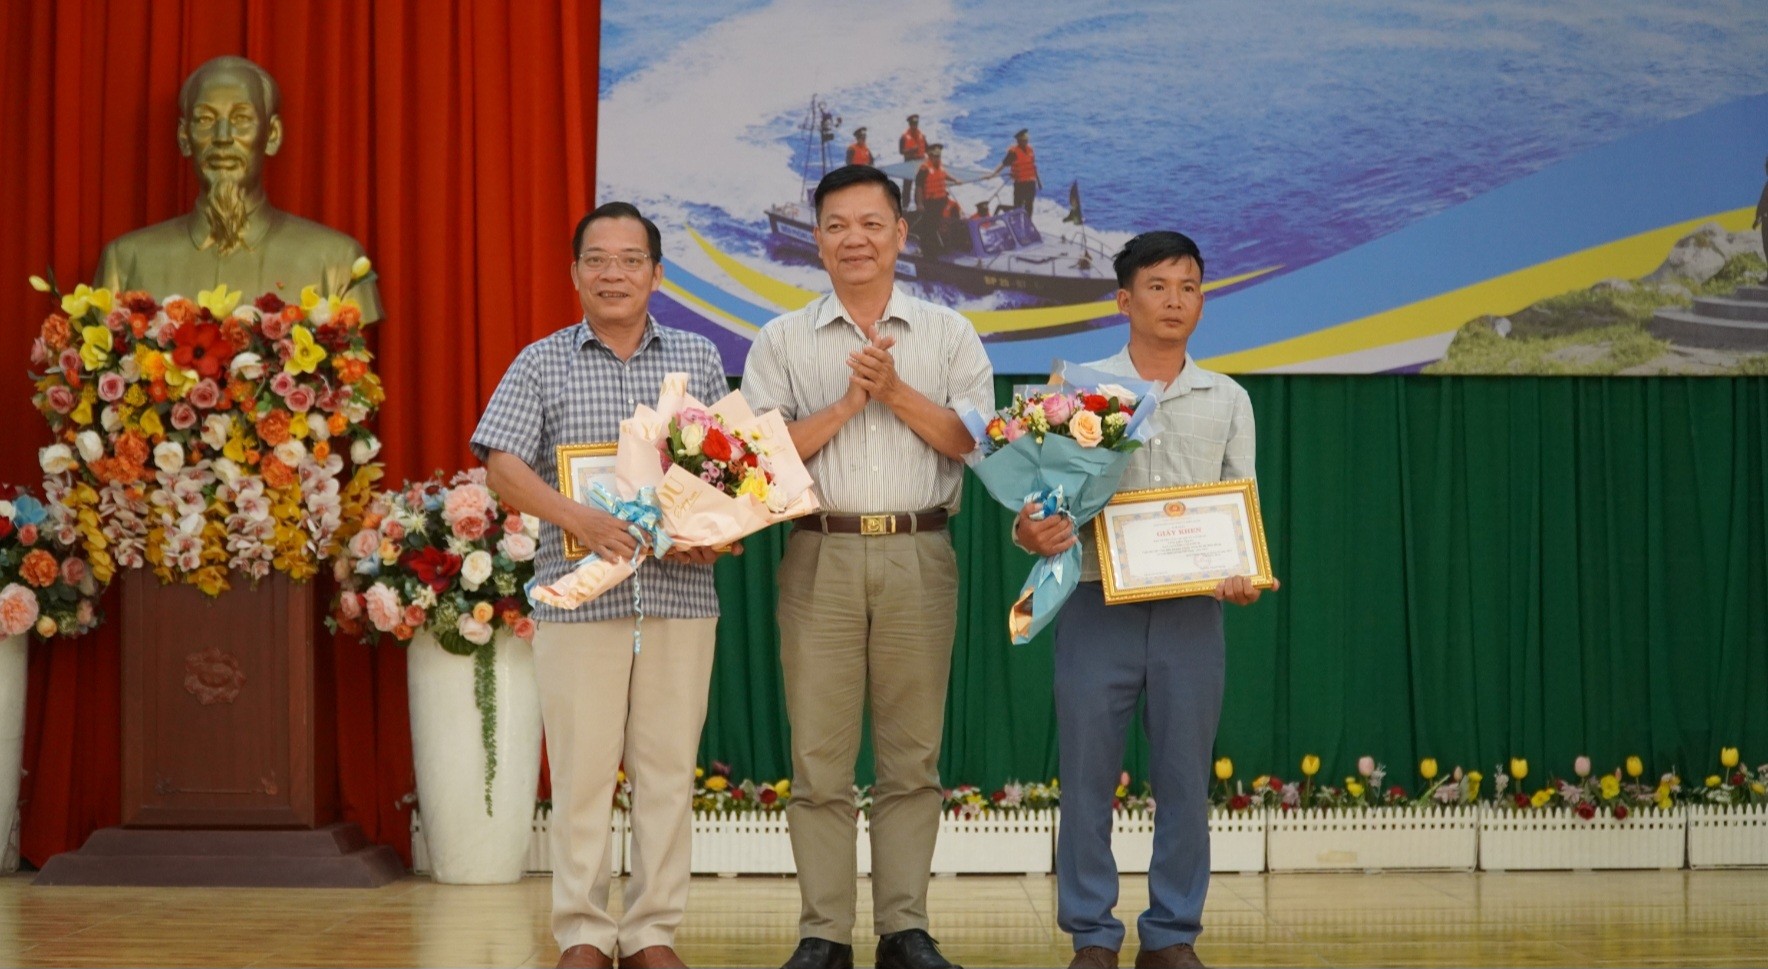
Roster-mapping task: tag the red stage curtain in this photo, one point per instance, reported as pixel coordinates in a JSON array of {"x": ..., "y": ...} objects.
[{"x": 455, "y": 140}]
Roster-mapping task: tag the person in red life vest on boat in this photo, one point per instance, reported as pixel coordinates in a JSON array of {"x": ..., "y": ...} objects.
[
  {"x": 980, "y": 213},
  {"x": 1022, "y": 160},
  {"x": 937, "y": 208},
  {"x": 913, "y": 145},
  {"x": 859, "y": 153}
]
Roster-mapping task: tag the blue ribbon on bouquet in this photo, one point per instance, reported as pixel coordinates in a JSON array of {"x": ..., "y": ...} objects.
[
  {"x": 644, "y": 522},
  {"x": 1053, "y": 578}
]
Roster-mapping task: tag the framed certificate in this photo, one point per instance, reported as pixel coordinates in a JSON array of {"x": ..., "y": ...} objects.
[
  {"x": 580, "y": 467},
  {"x": 1167, "y": 542}
]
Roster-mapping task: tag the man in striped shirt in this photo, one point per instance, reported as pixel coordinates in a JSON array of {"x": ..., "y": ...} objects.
[
  {"x": 1170, "y": 650},
  {"x": 603, "y": 703},
  {"x": 868, "y": 378}
]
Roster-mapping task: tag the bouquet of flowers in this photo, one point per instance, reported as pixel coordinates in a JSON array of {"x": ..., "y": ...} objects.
[
  {"x": 448, "y": 558},
  {"x": 1064, "y": 446},
  {"x": 45, "y": 583},
  {"x": 196, "y": 437},
  {"x": 695, "y": 476}
]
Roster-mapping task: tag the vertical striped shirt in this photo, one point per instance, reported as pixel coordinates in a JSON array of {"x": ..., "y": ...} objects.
[
  {"x": 570, "y": 388},
  {"x": 875, "y": 462},
  {"x": 1203, "y": 432}
]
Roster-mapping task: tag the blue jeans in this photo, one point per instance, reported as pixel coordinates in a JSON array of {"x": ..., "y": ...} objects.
[{"x": 1107, "y": 658}]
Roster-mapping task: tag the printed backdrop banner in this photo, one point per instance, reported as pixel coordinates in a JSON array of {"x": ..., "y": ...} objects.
[{"x": 1377, "y": 186}]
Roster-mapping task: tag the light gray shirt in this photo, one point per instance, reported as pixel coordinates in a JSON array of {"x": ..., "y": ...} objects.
[
  {"x": 1203, "y": 432},
  {"x": 875, "y": 462}
]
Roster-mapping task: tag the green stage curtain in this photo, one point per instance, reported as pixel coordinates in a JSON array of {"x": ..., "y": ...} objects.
[{"x": 1474, "y": 569}]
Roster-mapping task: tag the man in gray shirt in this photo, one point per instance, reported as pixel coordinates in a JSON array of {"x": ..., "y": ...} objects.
[{"x": 868, "y": 378}]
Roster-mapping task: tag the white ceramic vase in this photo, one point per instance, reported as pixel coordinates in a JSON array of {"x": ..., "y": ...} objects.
[
  {"x": 13, "y": 651},
  {"x": 467, "y": 846}
]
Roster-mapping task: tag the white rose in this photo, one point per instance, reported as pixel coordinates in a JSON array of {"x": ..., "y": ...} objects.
[
  {"x": 1121, "y": 393},
  {"x": 91, "y": 446},
  {"x": 291, "y": 452},
  {"x": 320, "y": 314},
  {"x": 56, "y": 459},
  {"x": 692, "y": 436},
  {"x": 364, "y": 451},
  {"x": 519, "y": 546},
  {"x": 216, "y": 428},
  {"x": 169, "y": 457},
  {"x": 473, "y": 631},
  {"x": 128, "y": 369},
  {"x": 318, "y": 428},
  {"x": 475, "y": 569},
  {"x": 246, "y": 313},
  {"x": 248, "y": 366},
  {"x": 530, "y": 524},
  {"x": 6, "y": 509},
  {"x": 109, "y": 419},
  {"x": 227, "y": 471}
]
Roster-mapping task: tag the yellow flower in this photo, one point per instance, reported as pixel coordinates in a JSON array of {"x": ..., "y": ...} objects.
[
  {"x": 1611, "y": 787},
  {"x": 84, "y": 299},
  {"x": 483, "y": 612},
  {"x": 783, "y": 787},
  {"x": 150, "y": 423},
  {"x": 1758, "y": 788},
  {"x": 1261, "y": 782},
  {"x": 1224, "y": 769},
  {"x": 360, "y": 267},
  {"x": 1519, "y": 768},
  {"x": 180, "y": 380},
  {"x": 1663, "y": 800},
  {"x": 1354, "y": 787},
  {"x": 620, "y": 777},
  {"x": 310, "y": 300},
  {"x": 135, "y": 396},
  {"x": 82, "y": 412},
  {"x": 753, "y": 484},
  {"x": 389, "y": 552},
  {"x": 299, "y": 429},
  {"x": 1713, "y": 781},
  {"x": 40, "y": 284},
  {"x": 307, "y": 355},
  {"x": 1541, "y": 797},
  {"x": 1427, "y": 768},
  {"x": 717, "y": 783},
  {"x": 95, "y": 346},
  {"x": 219, "y": 301},
  {"x": 1728, "y": 756},
  {"x": 1310, "y": 765},
  {"x": 1123, "y": 791},
  {"x": 1635, "y": 767},
  {"x": 699, "y": 772}
]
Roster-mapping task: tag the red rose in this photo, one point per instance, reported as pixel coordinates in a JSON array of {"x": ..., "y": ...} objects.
[
  {"x": 1621, "y": 812},
  {"x": 1095, "y": 402},
  {"x": 433, "y": 567},
  {"x": 201, "y": 347},
  {"x": 269, "y": 303},
  {"x": 1522, "y": 800},
  {"x": 737, "y": 794},
  {"x": 998, "y": 796},
  {"x": 716, "y": 446},
  {"x": 5, "y": 527},
  {"x": 1737, "y": 779},
  {"x": 1239, "y": 802},
  {"x": 1586, "y": 811},
  {"x": 767, "y": 796},
  {"x": 1396, "y": 791},
  {"x": 750, "y": 460}
]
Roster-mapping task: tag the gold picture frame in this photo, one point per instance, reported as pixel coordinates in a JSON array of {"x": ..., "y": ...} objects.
[
  {"x": 579, "y": 467},
  {"x": 1227, "y": 538}
]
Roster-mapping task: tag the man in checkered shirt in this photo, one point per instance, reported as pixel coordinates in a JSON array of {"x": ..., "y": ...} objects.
[
  {"x": 603, "y": 704},
  {"x": 1169, "y": 650}
]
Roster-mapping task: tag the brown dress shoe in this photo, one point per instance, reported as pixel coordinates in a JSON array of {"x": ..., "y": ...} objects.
[
  {"x": 653, "y": 957},
  {"x": 1178, "y": 956},
  {"x": 584, "y": 957},
  {"x": 1094, "y": 957}
]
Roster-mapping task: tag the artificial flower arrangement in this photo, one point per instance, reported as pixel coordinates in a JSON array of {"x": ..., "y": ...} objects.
[
  {"x": 1064, "y": 445},
  {"x": 716, "y": 793},
  {"x": 46, "y": 585},
  {"x": 968, "y": 801},
  {"x": 196, "y": 437},
  {"x": 694, "y": 476},
  {"x": 447, "y": 557},
  {"x": 1365, "y": 789},
  {"x": 1586, "y": 794},
  {"x": 1735, "y": 784}
]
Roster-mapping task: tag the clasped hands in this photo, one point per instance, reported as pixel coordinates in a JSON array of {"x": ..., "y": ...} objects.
[
  {"x": 874, "y": 374},
  {"x": 1054, "y": 534}
]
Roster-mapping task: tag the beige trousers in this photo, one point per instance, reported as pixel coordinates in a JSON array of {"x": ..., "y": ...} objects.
[
  {"x": 856, "y": 613},
  {"x": 602, "y": 706}
]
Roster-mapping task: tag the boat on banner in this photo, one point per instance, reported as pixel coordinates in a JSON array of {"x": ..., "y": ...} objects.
[{"x": 1004, "y": 251}]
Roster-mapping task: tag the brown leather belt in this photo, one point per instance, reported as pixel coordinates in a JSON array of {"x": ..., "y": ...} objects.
[{"x": 884, "y": 523}]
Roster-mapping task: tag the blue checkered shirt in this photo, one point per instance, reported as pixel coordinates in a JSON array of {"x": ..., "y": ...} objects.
[{"x": 569, "y": 388}]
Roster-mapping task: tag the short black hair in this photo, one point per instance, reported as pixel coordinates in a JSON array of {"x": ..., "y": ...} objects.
[
  {"x": 619, "y": 210},
  {"x": 848, "y": 176},
  {"x": 1152, "y": 249}
]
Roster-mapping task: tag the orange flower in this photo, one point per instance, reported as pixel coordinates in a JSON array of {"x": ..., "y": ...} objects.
[
  {"x": 348, "y": 315},
  {"x": 132, "y": 448},
  {"x": 349, "y": 369},
  {"x": 138, "y": 324},
  {"x": 56, "y": 332},
  {"x": 292, "y": 314},
  {"x": 337, "y": 424},
  {"x": 402, "y": 631},
  {"x": 241, "y": 390},
  {"x": 156, "y": 391},
  {"x": 39, "y": 569},
  {"x": 181, "y": 310},
  {"x": 321, "y": 451},
  {"x": 273, "y": 428},
  {"x": 276, "y": 474},
  {"x": 236, "y": 335}
]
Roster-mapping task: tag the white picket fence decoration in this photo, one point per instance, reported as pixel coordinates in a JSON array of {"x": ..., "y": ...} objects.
[
  {"x": 539, "y": 846},
  {"x": 1374, "y": 839},
  {"x": 1556, "y": 838},
  {"x": 998, "y": 842},
  {"x": 1727, "y": 837}
]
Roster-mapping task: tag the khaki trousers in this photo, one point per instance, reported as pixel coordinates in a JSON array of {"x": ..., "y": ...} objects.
[
  {"x": 603, "y": 705},
  {"x": 858, "y": 612}
]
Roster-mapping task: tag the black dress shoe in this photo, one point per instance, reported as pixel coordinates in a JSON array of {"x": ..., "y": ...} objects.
[
  {"x": 820, "y": 954},
  {"x": 910, "y": 949}
]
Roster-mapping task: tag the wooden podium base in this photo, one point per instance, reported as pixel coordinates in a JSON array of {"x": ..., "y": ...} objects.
[{"x": 333, "y": 856}]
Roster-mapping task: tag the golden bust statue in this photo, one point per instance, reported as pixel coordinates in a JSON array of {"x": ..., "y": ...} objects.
[{"x": 228, "y": 125}]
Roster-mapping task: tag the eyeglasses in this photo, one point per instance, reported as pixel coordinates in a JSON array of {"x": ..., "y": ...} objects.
[{"x": 596, "y": 262}]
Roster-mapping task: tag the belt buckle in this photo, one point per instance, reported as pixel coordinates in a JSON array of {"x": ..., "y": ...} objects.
[{"x": 877, "y": 524}]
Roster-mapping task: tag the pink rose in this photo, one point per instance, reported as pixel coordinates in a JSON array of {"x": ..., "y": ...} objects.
[
  {"x": 523, "y": 628},
  {"x": 472, "y": 528},
  {"x": 512, "y": 524},
  {"x": 206, "y": 394},
  {"x": 39, "y": 353},
  {"x": 467, "y": 500},
  {"x": 414, "y": 616},
  {"x": 73, "y": 570},
  {"x": 282, "y": 383},
  {"x": 18, "y": 610},
  {"x": 393, "y": 530},
  {"x": 59, "y": 398},
  {"x": 1057, "y": 407},
  {"x": 350, "y": 605},
  {"x": 300, "y": 399},
  {"x": 111, "y": 387},
  {"x": 473, "y": 631},
  {"x": 274, "y": 327},
  {"x": 382, "y": 606},
  {"x": 85, "y": 614},
  {"x": 1365, "y": 765},
  {"x": 365, "y": 543},
  {"x": 519, "y": 546},
  {"x": 1014, "y": 430},
  {"x": 183, "y": 416},
  {"x": 117, "y": 320},
  {"x": 27, "y": 535},
  {"x": 70, "y": 361},
  {"x": 1087, "y": 429}
]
